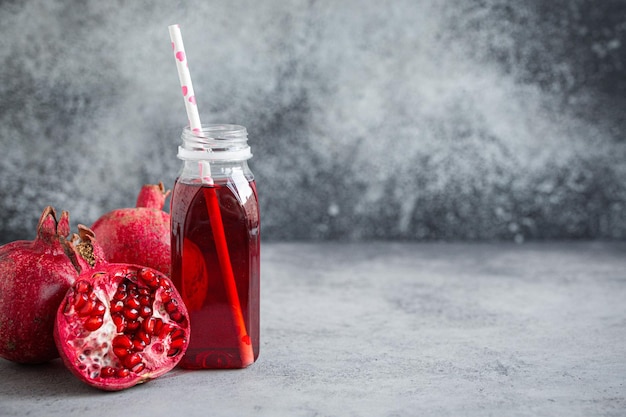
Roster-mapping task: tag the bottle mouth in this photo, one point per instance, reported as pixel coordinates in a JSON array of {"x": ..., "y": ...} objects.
[{"x": 215, "y": 142}]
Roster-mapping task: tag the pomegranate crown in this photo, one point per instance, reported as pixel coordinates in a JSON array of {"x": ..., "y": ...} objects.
[
  {"x": 87, "y": 248},
  {"x": 50, "y": 228},
  {"x": 152, "y": 196}
]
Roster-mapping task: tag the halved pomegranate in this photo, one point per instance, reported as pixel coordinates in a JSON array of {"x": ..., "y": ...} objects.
[{"x": 120, "y": 324}]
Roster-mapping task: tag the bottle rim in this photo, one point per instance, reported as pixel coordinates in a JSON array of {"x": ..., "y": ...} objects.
[{"x": 215, "y": 142}]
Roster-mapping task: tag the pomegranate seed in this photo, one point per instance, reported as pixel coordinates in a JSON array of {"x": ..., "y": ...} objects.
[
  {"x": 132, "y": 289},
  {"x": 119, "y": 295},
  {"x": 87, "y": 308},
  {"x": 143, "y": 336},
  {"x": 117, "y": 306},
  {"x": 138, "y": 345},
  {"x": 173, "y": 352},
  {"x": 166, "y": 297},
  {"x": 177, "y": 334},
  {"x": 132, "y": 325},
  {"x": 100, "y": 308},
  {"x": 165, "y": 330},
  {"x": 119, "y": 321},
  {"x": 148, "y": 325},
  {"x": 165, "y": 285},
  {"x": 122, "y": 373},
  {"x": 139, "y": 367},
  {"x": 145, "y": 311},
  {"x": 147, "y": 274},
  {"x": 149, "y": 277},
  {"x": 145, "y": 300},
  {"x": 122, "y": 341},
  {"x": 171, "y": 306},
  {"x": 178, "y": 343},
  {"x": 131, "y": 314},
  {"x": 131, "y": 360},
  {"x": 93, "y": 323},
  {"x": 158, "y": 325},
  {"x": 80, "y": 300},
  {"x": 177, "y": 316},
  {"x": 82, "y": 286},
  {"x": 107, "y": 372},
  {"x": 133, "y": 303},
  {"x": 121, "y": 352}
]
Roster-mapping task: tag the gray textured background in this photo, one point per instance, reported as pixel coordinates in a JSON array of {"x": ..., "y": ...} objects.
[{"x": 408, "y": 119}]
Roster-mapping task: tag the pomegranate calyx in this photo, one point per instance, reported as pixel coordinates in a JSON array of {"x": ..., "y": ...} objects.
[
  {"x": 88, "y": 253},
  {"x": 152, "y": 196},
  {"x": 51, "y": 229}
]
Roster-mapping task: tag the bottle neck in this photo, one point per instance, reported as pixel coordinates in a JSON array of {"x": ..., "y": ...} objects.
[
  {"x": 214, "y": 143},
  {"x": 217, "y": 153}
]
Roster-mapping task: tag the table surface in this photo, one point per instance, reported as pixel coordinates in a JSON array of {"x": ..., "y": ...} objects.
[{"x": 397, "y": 329}]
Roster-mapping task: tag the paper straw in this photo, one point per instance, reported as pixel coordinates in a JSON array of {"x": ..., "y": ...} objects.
[
  {"x": 213, "y": 208},
  {"x": 185, "y": 79}
]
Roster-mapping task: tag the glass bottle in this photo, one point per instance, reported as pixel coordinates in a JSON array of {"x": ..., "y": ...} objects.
[{"x": 215, "y": 234}]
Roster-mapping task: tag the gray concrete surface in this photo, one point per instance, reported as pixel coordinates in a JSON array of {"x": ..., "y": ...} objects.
[{"x": 390, "y": 329}]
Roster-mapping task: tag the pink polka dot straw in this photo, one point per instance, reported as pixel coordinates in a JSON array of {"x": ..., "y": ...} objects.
[{"x": 185, "y": 79}]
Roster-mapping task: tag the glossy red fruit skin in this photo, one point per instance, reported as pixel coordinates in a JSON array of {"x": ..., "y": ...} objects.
[
  {"x": 34, "y": 277},
  {"x": 152, "y": 359},
  {"x": 139, "y": 235}
]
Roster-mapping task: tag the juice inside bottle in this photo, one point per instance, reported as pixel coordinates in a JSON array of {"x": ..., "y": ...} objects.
[{"x": 216, "y": 340}]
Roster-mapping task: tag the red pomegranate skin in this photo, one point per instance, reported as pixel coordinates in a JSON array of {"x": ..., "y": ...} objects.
[
  {"x": 34, "y": 277},
  {"x": 139, "y": 235}
]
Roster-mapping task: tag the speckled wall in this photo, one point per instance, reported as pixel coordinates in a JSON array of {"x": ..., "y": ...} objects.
[{"x": 406, "y": 119}]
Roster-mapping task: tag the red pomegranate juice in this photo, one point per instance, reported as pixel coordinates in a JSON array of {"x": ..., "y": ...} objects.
[{"x": 210, "y": 294}]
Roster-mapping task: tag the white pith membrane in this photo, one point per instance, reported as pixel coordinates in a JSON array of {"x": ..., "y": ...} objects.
[{"x": 93, "y": 349}]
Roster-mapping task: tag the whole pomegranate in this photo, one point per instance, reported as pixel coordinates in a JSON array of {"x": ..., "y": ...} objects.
[
  {"x": 34, "y": 277},
  {"x": 119, "y": 324},
  {"x": 139, "y": 235}
]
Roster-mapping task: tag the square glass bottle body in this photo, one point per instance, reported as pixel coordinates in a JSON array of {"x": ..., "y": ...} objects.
[{"x": 215, "y": 235}]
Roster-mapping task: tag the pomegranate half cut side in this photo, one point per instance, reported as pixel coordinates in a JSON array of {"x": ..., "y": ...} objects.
[{"x": 120, "y": 325}]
